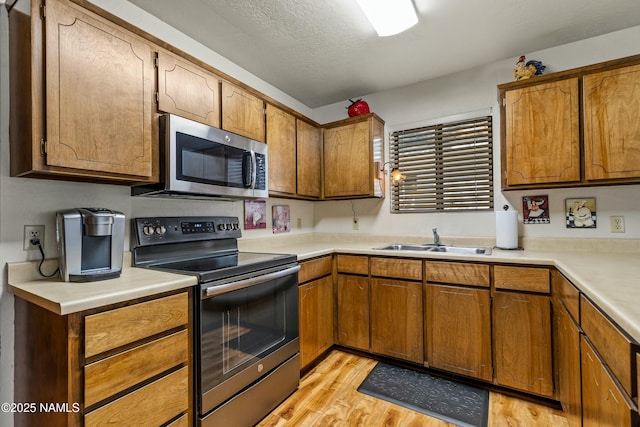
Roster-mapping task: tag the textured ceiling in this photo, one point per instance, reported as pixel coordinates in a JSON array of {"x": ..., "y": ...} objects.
[{"x": 325, "y": 51}]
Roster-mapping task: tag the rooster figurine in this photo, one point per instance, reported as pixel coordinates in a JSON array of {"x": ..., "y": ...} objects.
[{"x": 524, "y": 70}]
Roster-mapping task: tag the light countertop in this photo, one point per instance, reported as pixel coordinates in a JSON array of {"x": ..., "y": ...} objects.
[{"x": 610, "y": 279}]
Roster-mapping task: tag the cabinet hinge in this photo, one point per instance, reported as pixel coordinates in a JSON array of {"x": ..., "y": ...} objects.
[
  {"x": 504, "y": 101},
  {"x": 43, "y": 8},
  {"x": 43, "y": 147},
  {"x": 157, "y": 95},
  {"x": 156, "y": 61}
]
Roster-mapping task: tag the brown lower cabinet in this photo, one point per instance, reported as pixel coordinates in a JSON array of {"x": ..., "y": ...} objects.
[
  {"x": 316, "y": 318},
  {"x": 397, "y": 332},
  {"x": 567, "y": 351},
  {"x": 604, "y": 404},
  {"x": 122, "y": 365},
  {"x": 458, "y": 331},
  {"x": 522, "y": 342},
  {"x": 353, "y": 311}
]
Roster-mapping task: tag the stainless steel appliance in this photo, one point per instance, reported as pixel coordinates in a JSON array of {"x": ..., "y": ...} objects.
[
  {"x": 246, "y": 345},
  {"x": 90, "y": 244},
  {"x": 200, "y": 161}
]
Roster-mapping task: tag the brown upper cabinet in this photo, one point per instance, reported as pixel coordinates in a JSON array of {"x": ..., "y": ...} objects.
[
  {"x": 94, "y": 117},
  {"x": 281, "y": 140},
  {"x": 309, "y": 160},
  {"x": 611, "y": 128},
  {"x": 295, "y": 154},
  {"x": 542, "y": 134},
  {"x": 242, "y": 112},
  {"x": 188, "y": 90},
  {"x": 352, "y": 156},
  {"x": 552, "y": 139}
]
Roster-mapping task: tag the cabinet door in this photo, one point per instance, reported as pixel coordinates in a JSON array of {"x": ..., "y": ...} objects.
[
  {"x": 459, "y": 330},
  {"x": 347, "y": 160},
  {"x": 611, "y": 128},
  {"x": 100, "y": 82},
  {"x": 542, "y": 134},
  {"x": 242, "y": 112},
  {"x": 603, "y": 403},
  {"x": 522, "y": 342},
  {"x": 187, "y": 90},
  {"x": 309, "y": 160},
  {"x": 353, "y": 311},
  {"x": 397, "y": 332},
  {"x": 567, "y": 352},
  {"x": 316, "y": 319},
  {"x": 281, "y": 140}
]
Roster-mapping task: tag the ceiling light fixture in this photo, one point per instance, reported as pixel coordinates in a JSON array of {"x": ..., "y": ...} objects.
[{"x": 389, "y": 17}]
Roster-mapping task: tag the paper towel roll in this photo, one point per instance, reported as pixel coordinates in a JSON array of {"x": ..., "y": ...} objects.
[{"x": 507, "y": 229}]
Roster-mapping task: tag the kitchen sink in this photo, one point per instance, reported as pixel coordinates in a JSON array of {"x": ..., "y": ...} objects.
[
  {"x": 403, "y": 247},
  {"x": 430, "y": 247}
]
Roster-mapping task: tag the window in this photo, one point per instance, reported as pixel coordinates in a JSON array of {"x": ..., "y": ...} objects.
[{"x": 448, "y": 167}]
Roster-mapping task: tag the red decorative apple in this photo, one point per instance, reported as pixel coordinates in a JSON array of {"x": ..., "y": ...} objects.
[{"x": 357, "y": 108}]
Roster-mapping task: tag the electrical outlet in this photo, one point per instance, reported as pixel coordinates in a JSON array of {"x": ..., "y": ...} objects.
[
  {"x": 617, "y": 224},
  {"x": 30, "y": 232},
  {"x": 356, "y": 224}
]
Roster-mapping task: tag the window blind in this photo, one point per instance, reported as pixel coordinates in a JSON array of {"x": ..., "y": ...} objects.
[{"x": 448, "y": 167}]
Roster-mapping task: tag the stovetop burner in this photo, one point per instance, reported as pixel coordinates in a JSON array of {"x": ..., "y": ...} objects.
[{"x": 205, "y": 247}]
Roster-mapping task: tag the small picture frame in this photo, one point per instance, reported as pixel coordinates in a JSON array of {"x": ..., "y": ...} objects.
[
  {"x": 281, "y": 219},
  {"x": 255, "y": 214},
  {"x": 581, "y": 213},
  {"x": 535, "y": 209}
]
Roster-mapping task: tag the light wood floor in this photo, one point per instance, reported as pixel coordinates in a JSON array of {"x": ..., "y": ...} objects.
[{"x": 327, "y": 396}]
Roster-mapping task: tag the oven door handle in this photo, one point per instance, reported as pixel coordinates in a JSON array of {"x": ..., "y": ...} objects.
[{"x": 241, "y": 284}]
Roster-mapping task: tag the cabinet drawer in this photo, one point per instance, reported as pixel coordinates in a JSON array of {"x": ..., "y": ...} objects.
[
  {"x": 615, "y": 348},
  {"x": 314, "y": 269},
  {"x": 117, "y": 373},
  {"x": 566, "y": 293},
  {"x": 142, "y": 406},
  {"x": 398, "y": 268},
  {"x": 114, "y": 328},
  {"x": 458, "y": 273},
  {"x": 355, "y": 264},
  {"x": 521, "y": 279}
]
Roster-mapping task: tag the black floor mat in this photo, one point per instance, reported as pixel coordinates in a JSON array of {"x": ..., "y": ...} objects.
[{"x": 447, "y": 400}]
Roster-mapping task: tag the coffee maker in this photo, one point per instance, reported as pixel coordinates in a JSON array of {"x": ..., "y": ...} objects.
[{"x": 90, "y": 244}]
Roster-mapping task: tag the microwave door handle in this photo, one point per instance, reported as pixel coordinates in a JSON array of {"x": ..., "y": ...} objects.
[
  {"x": 241, "y": 284},
  {"x": 254, "y": 169},
  {"x": 248, "y": 167}
]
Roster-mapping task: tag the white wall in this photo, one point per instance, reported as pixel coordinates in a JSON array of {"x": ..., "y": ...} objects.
[{"x": 471, "y": 91}]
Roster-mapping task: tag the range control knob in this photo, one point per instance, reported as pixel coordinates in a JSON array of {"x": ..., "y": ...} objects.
[
  {"x": 221, "y": 227},
  {"x": 148, "y": 230},
  {"x": 161, "y": 229},
  {"x": 236, "y": 226}
]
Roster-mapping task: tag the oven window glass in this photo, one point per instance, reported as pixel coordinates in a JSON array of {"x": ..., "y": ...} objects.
[
  {"x": 209, "y": 162},
  {"x": 241, "y": 327}
]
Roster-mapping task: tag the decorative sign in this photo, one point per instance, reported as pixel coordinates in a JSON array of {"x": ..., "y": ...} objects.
[
  {"x": 535, "y": 210},
  {"x": 580, "y": 213},
  {"x": 281, "y": 219},
  {"x": 255, "y": 214}
]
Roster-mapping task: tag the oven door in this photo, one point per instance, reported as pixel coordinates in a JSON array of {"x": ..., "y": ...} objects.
[{"x": 247, "y": 328}]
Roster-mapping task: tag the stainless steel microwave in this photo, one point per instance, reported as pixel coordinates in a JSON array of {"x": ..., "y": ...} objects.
[{"x": 200, "y": 161}]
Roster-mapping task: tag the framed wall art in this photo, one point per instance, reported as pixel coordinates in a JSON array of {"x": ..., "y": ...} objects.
[
  {"x": 281, "y": 219},
  {"x": 255, "y": 214},
  {"x": 535, "y": 210},
  {"x": 581, "y": 213}
]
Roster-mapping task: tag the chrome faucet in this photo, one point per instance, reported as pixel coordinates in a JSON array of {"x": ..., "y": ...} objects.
[{"x": 436, "y": 237}]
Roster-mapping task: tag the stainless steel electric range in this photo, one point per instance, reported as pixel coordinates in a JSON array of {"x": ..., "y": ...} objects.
[{"x": 246, "y": 346}]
